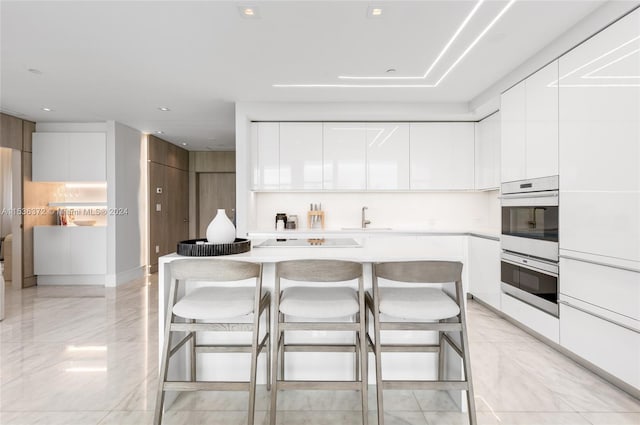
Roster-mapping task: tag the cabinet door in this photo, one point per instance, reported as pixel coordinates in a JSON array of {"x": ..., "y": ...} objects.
[
  {"x": 300, "y": 156},
  {"x": 88, "y": 249},
  {"x": 87, "y": 157},
  {"x": 610, "y": 347},
  {"x": 442, "y": 155},
  {"x": 599, "y": 143},
  {"x": 387, "y": 156},
  {"x": 51, "y": 250},
  {"x": 484, "y": 270},
  {"x": 268, "y": 155},
  {"x": 50, "y": 159},
  {"x": 487, "y": 153},
  {"x": 344, "y": 156},
  {"x": 542, "y": 122},
  {"x": 513, "y": 138}
]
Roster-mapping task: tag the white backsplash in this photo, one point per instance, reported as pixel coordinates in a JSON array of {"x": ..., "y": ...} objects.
[{"x": 419, "y": 210}]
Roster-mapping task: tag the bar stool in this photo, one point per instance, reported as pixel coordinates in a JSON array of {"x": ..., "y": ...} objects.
[
  {"x": 422, "y": 309},
  {"x": 208, "y": 309},
  {"x": 319, "y": 303}
]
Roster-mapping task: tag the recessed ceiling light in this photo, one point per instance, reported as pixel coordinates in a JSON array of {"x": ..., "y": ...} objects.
[
  {"x": 184, "y": 143},
  {"x": 47, "y": 109},
  {"x": 159, "y": 132},
  {"x": 248, "y": 12},
  {"x": 374, "y": 12},
  {"x": 390, "y": 70},
  {"x": 35, "y": 71},
  {"x": 164, "y": 109}
]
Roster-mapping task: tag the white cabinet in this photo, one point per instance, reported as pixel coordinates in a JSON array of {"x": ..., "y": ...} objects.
[
  {"x": 344, "y": 156},
  {"x": 487, "y": 153},
  {"x": 530, "y": 127},
  {"x": 59, "y": 157},
  {"x": 513, "y": 137},
  {"x": 600, "y": 143},
  {"x": 613, "y": 348},
  {"x": 542, "y": 123},
  {"x": 536, "y": 320},
  {"x": 266, "y": 151},
  {"x": 484, "y": 270},
  {"x": 70, "y": 250},
  {"x": 442, "y": 156},
  {"x": 387, "y": 156},
  {"x": 300, "y": 156}
]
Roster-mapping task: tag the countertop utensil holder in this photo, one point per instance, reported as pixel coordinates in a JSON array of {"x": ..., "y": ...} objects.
[{"x": 314, "y": 217}]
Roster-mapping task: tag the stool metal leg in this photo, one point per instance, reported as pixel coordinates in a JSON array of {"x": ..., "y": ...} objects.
[
  {"x": 378, "y": 351},
  {"x": 193, "y": 353},
  {"x": 466, "y": 358},
  {"x": 164, "y": 365},
  {"x": 267, "y": 327},
  {"x": 254, "y": 366},
  {"x": 363, "y": 353}
]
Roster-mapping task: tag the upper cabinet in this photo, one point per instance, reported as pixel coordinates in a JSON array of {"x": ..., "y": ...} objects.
[
  {"x": 529, "y": 142},
  {"x": 442, "y": 156},
  {"x": 300, "y": 156},
  {"x": 59, "y": 157},
  {"x": 387, "y": 156},
  {"x": 487, "y": 153},
  {"x": 344, "y": 156},
  {"x": 266, "y": 155}
]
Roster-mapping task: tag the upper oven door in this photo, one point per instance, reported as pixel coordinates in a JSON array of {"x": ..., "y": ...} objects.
[{"x": 529, "y": 221}]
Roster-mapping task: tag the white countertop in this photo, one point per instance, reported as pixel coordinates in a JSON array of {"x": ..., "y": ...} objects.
[{"x": 371, "y": 233}]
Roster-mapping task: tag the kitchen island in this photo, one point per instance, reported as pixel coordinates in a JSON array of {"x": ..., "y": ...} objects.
[{"x": 390, "y": 247}]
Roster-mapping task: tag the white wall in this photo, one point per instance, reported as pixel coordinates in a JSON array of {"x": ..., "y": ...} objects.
[
  {"x": 129, "y": 196},
  {"x": 421, "y": 210}
]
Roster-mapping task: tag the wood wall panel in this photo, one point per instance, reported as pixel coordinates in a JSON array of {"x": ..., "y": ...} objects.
[
  {"x": 215, "y": 162},
  {"x": 28, "y": 128},
  {"x": 10, "y": 132}
]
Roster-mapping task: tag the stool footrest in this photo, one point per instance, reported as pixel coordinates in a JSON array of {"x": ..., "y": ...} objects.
[
  {"x": 318, "y": 385},
  {"x": 319, "y": 326},
  {"x": 399, "y": 348},
  {"x": 317, "y": 348},
  {"x": 212, "y": 327},
  {"x": 205, "y": 386},
  {"x": 425, "y": 385},
  {"x": 420, "y": 326}
]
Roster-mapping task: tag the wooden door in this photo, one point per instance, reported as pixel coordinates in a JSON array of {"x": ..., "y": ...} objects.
[{"x": 215, "y": 190}]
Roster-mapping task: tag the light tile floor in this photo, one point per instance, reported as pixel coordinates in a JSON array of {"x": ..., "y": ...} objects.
[{"x": 88, "y": 356}]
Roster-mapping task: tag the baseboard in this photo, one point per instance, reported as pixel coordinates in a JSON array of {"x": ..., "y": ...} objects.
[
  {"x": 613, "y": 380},
  {"x": 57, "y": 280},
  {"x": 124, "y": 277}
]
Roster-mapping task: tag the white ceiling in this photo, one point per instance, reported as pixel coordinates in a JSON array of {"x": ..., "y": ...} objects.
[{"x": 122, "y": 60}]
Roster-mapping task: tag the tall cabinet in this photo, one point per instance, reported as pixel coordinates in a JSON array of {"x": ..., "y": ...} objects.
[{"x": 600, "y": 199}]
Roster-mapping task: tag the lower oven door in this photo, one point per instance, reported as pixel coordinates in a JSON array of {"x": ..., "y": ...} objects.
[{"x": 532, "y": 281}]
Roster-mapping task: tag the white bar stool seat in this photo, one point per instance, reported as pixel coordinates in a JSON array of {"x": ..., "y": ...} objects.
[
  {"x": 319, "y": 303},
  {"x": 215, "y": 303},
  {"x": 417, "y": 303}
]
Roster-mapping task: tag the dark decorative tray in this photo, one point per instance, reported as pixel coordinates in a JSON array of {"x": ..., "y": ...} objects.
[{"x": 193, "y": 249}]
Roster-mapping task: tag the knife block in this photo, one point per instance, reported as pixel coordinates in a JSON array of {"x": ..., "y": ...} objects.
[{"x": 313, "y": 216}]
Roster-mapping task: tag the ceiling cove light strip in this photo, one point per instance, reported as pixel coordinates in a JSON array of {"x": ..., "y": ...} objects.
[
  {"x": 409, "y": 86},
  {"x": 590, "y": 74},
  {"x": 435, "y": 62},
  {"x": 615, "y": 49}
]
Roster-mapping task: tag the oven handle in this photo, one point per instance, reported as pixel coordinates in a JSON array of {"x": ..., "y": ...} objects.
[
  {"x": 613, "y": 322},
  {"x": 531, "y": 195}
]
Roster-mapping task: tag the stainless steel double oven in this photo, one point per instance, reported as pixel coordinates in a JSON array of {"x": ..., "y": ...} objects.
[{"x": 529, "y": 261}]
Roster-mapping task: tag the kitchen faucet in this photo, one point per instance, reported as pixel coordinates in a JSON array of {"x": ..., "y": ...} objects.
[{"x": 364, "y": 219}]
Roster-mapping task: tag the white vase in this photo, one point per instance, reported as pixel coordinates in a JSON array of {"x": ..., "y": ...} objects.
[{"x": 221, "y": 229}]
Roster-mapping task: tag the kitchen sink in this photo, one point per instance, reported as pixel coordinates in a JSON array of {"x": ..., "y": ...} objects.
[{"x": 366, "y": 228}]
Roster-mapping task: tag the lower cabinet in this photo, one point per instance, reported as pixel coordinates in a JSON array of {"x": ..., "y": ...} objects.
[
  {"x": 484, "y": 270},
  {"x": 613, "y": 348},
  {"x": 536, "y": 320},
  {"x": 70, "y": 250}
]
